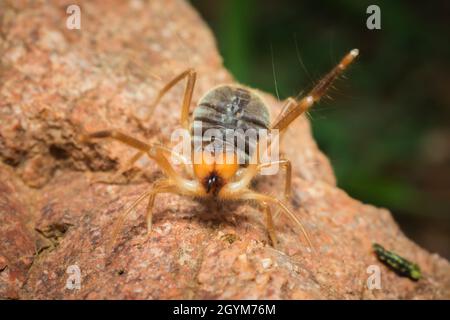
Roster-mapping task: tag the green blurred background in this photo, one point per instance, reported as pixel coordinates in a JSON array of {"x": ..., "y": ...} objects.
[{"x": 386, "y": 129}]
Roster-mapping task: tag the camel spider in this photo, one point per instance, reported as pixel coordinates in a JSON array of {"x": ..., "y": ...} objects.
[{"x": 226, "y": 106}]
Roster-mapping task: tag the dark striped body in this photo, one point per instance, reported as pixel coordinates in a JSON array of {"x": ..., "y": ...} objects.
[
  {"x": 397, "y": 263},
  {"x": 231, "y": 111}
]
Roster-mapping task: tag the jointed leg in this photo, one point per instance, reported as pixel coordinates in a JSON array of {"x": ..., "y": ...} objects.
[
  {"x": 239, "y": 190},
  {"x": 292, "y": 111},
  {"x": 251, "y": 195},
  {"x": 156, "y": 152},
  {"x": 191, "y": 77},
  {"x": 286, "y": 165},
  {"x": 119, "y": 222},
  {"x": 116, "y": 135},
  {"x": 251, "y": 171},
  {"x": 288, "y": 105},
  {"x": 163, "y": 186},
  {"x": 136, "y": 157},
  {"x": 174, "y": 183},
  {"x": 158, "y": 187},
  {"x": 269, "y": 223},
  {"x": 126, "y": 167}
]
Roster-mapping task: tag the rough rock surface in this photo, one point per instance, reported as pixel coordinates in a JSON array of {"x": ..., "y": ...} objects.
[{"x": 57, "y": 83}]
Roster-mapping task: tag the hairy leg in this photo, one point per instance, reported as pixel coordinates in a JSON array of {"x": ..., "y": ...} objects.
[
  {"x": 175, "y": 182},
  {"x": 119, "y": 222},
  {"x": 239, "y": 190},
  {"x": 287, "y": 167},
  {"x": 269, "y": 223},
  {"x": 251, "y": 171},
  {"x": 115, "y": 178},
  {"x": 288, "y": 105},
  {"x": 293, "y": 110},
  {"x": 158, "y": 187},
  {"x": 191, "y": 76},
  {"x": 163, "y": 186},
  {"x": 138, "y": 155},
  {"x": 154, "y": 151},
  {"x": 251, "y": 195}
]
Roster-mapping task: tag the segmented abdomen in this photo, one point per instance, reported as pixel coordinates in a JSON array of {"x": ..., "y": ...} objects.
[{"x": 233, "y": 112}]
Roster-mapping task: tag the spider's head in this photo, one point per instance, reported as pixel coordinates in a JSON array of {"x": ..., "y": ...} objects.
[{"x": 213, "y": 174}]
